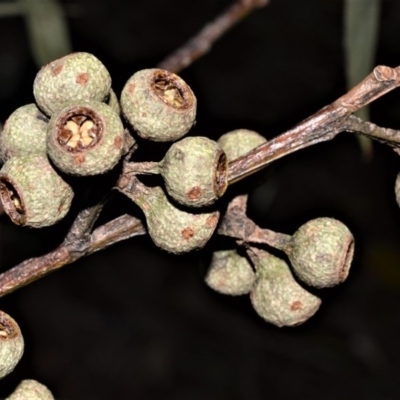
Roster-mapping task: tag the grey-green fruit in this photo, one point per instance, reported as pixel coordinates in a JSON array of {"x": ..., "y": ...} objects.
[
  {"x": 30, "y": 389},
  {"x": 32, "y": 193},
  {"x": 195, "y": 171},
  {"x": 172, "y": 229},
  {"x": 230, "y": 273},
  {"x": 75, "y": 77},
  {"x": 239, "y": 142},
  {"x": 321, "y": 252},
  {"x": 397, "y": 189},
  {"x": 113, "y": 102},
  {"x": 85, "y": 138},
  {"x": 24, "y": 133},
  {"x": 276, "y": 296},
  {"x": 159, "y": 105},
  {"x": 11, "y": 344}
]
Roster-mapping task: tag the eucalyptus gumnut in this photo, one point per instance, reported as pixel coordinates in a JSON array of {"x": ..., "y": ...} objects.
[
  {"x": 11, "y": 344},
  {"x": 230, "y": 273},
  {"x": 239, "y": 142},
  {"x": 77, "y": 76},
  {"x": 171, "y": 229},
  {"x": 321, "y": 252},
  {"x": 85, "y": 138},
  {"x": 24, "y": 133},
  {"x": 32, "y": 193},
  {"x": 397, "y": 189},
  {"x": 276, "y": 296},
  {"x": 159, "y": 105},
  {"x": 30, "y": 389},
  {"x": 195, "y": 171}
]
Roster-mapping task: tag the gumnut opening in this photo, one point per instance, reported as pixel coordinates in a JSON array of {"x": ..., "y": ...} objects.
[
  {"x": 85, "y": 138},
  {"x": 276, "y": 296},
  {"x": 79, "y": 129},
  {"x": 12, "y": 201},
  {"x": 321, "y": 252},
  {"x": 11, "y": 344}
]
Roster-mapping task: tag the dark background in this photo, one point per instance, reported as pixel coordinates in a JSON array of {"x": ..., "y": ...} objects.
[{"x": 133, "y": 322}]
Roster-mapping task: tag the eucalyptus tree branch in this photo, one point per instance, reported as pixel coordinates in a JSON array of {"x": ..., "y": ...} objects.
[
  {"x": 200, "y": 44},
  {"x": 322, "y": 126},
  {"x": 119, "y": 229}
]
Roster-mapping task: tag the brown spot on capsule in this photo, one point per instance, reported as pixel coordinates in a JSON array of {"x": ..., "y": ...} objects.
[
  {"x": 82, "y": 79},
  {"x": 296, "y": 305},
  {"x": 187, "y": 233},
  {"x": 118, "y": 142},
  {"x": 56, "y": 69},
  {"x": 130, "y": 88},
  {"x": 79, "y": 159},
  {"x": 194, "y": 193},
  {"x": 211, "y": 221}
]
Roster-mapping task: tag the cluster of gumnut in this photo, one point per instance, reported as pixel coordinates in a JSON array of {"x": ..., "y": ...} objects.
[{"x": 78, "y": 127}]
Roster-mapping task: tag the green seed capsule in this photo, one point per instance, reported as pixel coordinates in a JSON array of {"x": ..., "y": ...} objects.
[
  {"x": 397, "y": 189},
  {"x": 321, "y": 252},
  {"x": 276, "y": 296},
  {"x": 85, "y": 138},
  {"x": 75, "y": 77},
  {"x": 230, "y": 273},
  {"x": 11, "y": 344},
  {"x": 195, "y": 171},
  {"x": 159, "y": 105},
  {"x": 24, "y": 133},
  {"x": 172, "y": 229},
  {"x": 32, "y": 193},
  {"x": 239, "y": 142},
  {"x": 30, "y": 389}
]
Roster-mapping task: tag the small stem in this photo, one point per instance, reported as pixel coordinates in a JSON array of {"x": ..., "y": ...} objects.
[
  {"x": 237, "y": 225},
  {"x": 142, "y": 168},
  {"x": 388, "y": 136},
  {"x": 204, "y": 40},
  {"x": 33, "y": 269}
]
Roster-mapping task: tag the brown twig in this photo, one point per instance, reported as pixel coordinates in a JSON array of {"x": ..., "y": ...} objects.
[
  {"x": 236, "y": 224},
  {"x": 200, "y": 44},
  {"x": 322, "y": 126},
  {"x": 33, "y": 269}
]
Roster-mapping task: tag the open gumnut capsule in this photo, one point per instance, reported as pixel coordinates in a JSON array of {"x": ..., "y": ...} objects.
[
  {"x": 32, "y": 193},
  {"x": 195, "y": 171},
  {"x": 11, "y": 344},
  {"x": 159, "y": 105},
  {"x": 85, "y": 138}
]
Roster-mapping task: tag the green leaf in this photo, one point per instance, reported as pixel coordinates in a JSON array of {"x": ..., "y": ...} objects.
[{"x": 47, "y": 30}]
